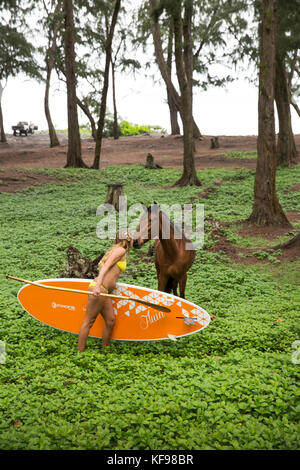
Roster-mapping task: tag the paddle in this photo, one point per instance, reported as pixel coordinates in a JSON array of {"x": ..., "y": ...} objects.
[{"x": 161, "y": 308}]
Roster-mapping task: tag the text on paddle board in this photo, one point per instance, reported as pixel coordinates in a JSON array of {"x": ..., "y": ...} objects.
[
  {"x": 68, "y": 307},
  {"x": 148, "y": 319}
]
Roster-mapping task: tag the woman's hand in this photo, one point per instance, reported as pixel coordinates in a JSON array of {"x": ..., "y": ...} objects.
[{"x": 96, "y": 291}]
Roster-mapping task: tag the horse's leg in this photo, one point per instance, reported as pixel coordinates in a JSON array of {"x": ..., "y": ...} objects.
[
  {"x": 161, "y": 278},
  {"x": 162, "y": 282},
  {"x": 156, "y": 259},
  {"x": 158, "y": 275},
  {"x": 182, "y": 283},
  {"x": 174, "y": 287}
]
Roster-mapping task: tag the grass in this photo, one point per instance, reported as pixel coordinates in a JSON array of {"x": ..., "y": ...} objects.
[
  {"x": 232, "y": 386},
  {"x": 254, "y": 241},
  {"x": 244, "y": 155},
  {"x": 126, "y": 129}
]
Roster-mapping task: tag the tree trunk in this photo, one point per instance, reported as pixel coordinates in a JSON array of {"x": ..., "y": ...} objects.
[
  {"x": 2, "y": 133},
  {"x": 266, "y": 208},
  {"x": 74, "y": 158},
  {"x": 50, "y": 56},
  {"x": 286, "y": 147},
  {"x": 84, "y": 107},
  {"x": 100, "y": 127},
  {"x": 290, "y": 75},
  {"x": 184, "y": 68},
  {"x": 114, "y": 192},
  {"x": 176, "y": 98},
  {"x": 116, "y": 130},
  {"x": 296, "y": 107},
  {"x": 175, "y": 129},
  {"x": 52, "y": 133}
]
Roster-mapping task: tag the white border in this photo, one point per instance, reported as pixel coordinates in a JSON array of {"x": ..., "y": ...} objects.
[{"x": 117, "y": 285}]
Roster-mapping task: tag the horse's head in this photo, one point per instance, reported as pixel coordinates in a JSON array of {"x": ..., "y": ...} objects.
[{"x": 148, "y": 227}]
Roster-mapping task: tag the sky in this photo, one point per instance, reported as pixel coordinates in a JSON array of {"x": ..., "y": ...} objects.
[
  {"x": 230, "y": 110},
  {"x": 218, "y": 111}
]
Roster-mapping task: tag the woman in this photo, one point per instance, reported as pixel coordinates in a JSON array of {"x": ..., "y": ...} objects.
[{"x": 110, "y": 268}]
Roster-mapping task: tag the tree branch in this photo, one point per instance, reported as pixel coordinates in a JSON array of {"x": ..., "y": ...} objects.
[{"x": 202, "y": 43}]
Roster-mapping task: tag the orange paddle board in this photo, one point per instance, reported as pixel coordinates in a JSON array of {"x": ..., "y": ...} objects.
[{"x": 134, "y": 322}]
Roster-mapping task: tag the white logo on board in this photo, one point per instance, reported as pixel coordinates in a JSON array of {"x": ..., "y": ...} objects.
[{"x": 67, "y": 307}]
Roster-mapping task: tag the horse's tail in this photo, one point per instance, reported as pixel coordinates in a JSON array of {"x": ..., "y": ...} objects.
[{"x": 169, "y": 285}]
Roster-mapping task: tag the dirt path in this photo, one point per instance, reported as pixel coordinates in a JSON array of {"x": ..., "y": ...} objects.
[
  {"x": 34, "y": 151},
  {"x": 167, "y": 151}
]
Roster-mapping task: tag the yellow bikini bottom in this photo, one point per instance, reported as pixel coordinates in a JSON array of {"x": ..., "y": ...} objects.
[{"x": 94, "y": 283}]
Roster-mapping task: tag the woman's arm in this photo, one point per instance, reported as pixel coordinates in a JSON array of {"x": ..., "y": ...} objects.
[{"x": 115, "y": 256}]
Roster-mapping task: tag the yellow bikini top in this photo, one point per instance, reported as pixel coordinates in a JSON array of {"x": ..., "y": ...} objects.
[{"x": 121, "y": 265}]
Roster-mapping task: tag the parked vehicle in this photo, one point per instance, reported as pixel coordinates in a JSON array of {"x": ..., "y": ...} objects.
[{"x": 24, "y": 128}]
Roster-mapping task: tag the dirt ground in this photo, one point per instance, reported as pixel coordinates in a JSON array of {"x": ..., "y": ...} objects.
[
  {"x": 34, "y": 151},
  {"x": 20, "y": 154},
  {"x": 246, "y": 256}
]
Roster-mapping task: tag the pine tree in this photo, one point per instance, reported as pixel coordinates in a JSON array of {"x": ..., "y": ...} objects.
[
  {"x": 266, "y": 207},
  {"x": 100, "y": 126},
  {"x": 74, "y": 158},
  {"x": 16, "y": 52},
  {"x": 52, "y": 24},
  {"x": 288, "y": 41}
]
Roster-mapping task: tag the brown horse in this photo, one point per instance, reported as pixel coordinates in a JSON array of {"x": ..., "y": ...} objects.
[{"x": 172, "y": 258}]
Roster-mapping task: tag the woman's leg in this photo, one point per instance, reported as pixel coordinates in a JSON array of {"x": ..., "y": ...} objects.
[
  {"x": 93, "y": 308},
  {"x": 110, "y": 319}
]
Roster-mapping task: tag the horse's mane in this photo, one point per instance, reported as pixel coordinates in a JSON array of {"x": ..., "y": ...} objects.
[{"x": 179, "y": 234}]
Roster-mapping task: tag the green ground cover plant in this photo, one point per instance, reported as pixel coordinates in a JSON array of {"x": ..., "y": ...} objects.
[
  {"x": 232, "y": 386},
  {"x": 126, "y": 128},
  {"x": 235, "y": 154}
]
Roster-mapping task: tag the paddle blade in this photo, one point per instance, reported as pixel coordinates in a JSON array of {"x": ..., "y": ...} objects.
[{"x": 161, "y": 308}]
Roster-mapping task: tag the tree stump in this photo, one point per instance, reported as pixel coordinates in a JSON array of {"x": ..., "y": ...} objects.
[
  {"x": 150, "y": 164},
  {"x": 214, "y": 143},
  {"x": 79, "y": 266},
  {"x": 114, "y": 191}
]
